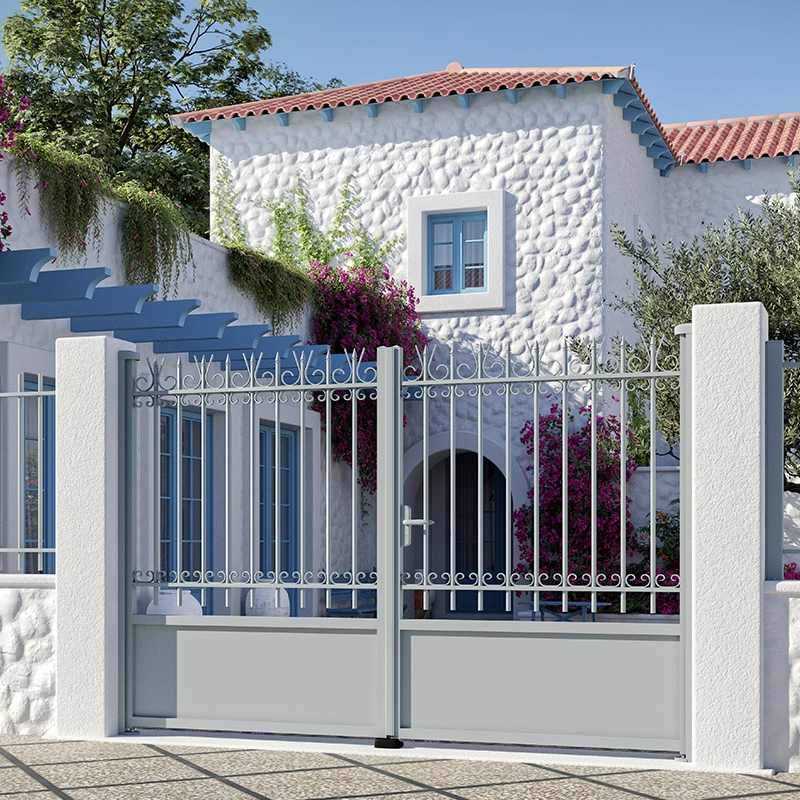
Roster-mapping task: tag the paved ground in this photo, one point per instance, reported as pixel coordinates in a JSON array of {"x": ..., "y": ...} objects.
[{"x": 160, "y": 768}]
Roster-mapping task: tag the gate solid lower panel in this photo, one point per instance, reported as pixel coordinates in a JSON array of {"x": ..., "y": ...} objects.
[
  {"x": 615, "y": 685},
  {"x": 255, "y": 674}
]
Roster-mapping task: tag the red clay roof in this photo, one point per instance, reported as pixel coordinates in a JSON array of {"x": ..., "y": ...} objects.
[
  {"x": 451, "y": 81},
  {"x": 738, "y": 138}
]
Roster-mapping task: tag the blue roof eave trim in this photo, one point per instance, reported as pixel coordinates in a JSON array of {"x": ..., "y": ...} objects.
[{"x": 642, "y": 124}]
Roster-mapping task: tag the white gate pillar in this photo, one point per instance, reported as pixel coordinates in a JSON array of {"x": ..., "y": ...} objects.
[
  {"x": 728, "y": 514},
  {"x": 88, "y": 536}
]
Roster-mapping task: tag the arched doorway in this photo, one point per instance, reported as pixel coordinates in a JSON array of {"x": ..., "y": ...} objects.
[{"x": 469, "y": 519}]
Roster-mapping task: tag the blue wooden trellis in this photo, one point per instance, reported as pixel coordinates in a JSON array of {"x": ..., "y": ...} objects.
[{"x": 171, "y": 326}]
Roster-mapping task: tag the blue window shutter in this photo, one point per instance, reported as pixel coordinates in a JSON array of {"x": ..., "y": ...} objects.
[
  {"x": 286, "y": 507},
  {"x": 190, "y": 498},
  {"x": 457, "y": 253},
  {"x": 39, "y": 465}
]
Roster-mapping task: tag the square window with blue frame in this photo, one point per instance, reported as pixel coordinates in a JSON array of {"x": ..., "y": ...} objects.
[
  {"x": 186, "y": 495},
  {"x": 279, "y": 528},
  {"x": 457, "y": 253}
]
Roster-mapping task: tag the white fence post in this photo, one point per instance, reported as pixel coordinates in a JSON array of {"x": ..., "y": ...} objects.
[
  {"x": 87, "y": 536},
  {"x": 728, "y": 515}
]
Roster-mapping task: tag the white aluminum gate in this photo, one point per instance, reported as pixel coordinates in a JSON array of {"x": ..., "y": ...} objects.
[{"x": 273, "y": 592}]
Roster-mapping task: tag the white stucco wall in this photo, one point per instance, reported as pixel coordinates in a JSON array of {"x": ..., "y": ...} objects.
[
  {"x": 690, "y": 198},
  {"x": 27, "y": 655}
]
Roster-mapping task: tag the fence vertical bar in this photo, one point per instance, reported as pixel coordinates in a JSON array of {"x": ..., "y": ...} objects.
[
  {"x": 390, "y": 471},
  {"x": 686, "y": 367},
  {"x": 128, "y": 519},
  {"x": 773, "y": 436}
]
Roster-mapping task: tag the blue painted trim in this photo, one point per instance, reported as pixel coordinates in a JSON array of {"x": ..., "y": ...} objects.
[
  {"x": 790, "y": 161},
  {"x": 704, "y": 167},
  {"x": 23, "y": 266},
  {"x": 55, "y": 285},
  {"x": 372, "y": 110},
  {"x": 105, "y": 301},
  {"x": 200, "y": 130},
  {"x": 418, "y": 105},
  {"x": 283, "y": 119},
  {"x": 513, "y": 96},
  {"x": 612, "y": 85},
  {"x": 632, "y": 114},
  {"x": 464, "y": 100},
  {"x": 642, "y": 126},
  {"x": 457, "y": 221},
  {"x": 666, "y": 170},
  {"x": 657, "y": 151},
  {"x": 197, "y": 326},
  {"x": 327, "y": 114},
  {"x": 663, "y": 161},
  {"x": 158, "y": 314},
  {"x": 561, "y": 91},
  {"x": 235, "y": 337},
  {"x": 649, "y": 139},
  {"x": 746, "y": 163},
  {"x": 625, "y": 99},
  {"x": 240, "y": 123}
]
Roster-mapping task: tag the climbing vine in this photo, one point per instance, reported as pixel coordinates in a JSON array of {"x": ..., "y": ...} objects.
[{"x": 74, "y": 191}]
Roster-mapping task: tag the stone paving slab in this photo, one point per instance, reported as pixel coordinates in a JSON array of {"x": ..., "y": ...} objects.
[{"x": 159, "y": 768}]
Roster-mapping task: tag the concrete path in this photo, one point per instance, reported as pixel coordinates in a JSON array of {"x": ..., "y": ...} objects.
[{"x": 165, "y": 766}]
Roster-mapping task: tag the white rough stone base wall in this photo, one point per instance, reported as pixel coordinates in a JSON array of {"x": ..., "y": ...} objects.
[{"x": 27, "y": 660}]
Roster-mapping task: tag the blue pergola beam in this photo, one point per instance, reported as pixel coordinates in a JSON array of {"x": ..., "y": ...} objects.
[
  {"x": 197, "y": 326},
  {"x": 267, "y": 348},
  {"x": 105, "y": 301},
  {"x": 158, "y": 314},
  {"x": 236, "y": 337},
  {"x": 55, "y": 286},
  {"x": 22, "y": 266}
]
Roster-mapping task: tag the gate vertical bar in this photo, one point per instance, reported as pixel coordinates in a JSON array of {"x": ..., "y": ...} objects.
[
  {"x": 685, "y": 334},
  {"x": 390, "y": 494},
  {"x": 773, "y": 442},
  {"x": 127, "y": 517}
]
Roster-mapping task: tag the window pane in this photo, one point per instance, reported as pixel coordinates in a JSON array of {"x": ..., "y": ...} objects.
[
  {"x": 442, "y": 255},
  {"x": 474, "y": 229},
  {"x": 473, "y": 278},
  {"x": 442, "y": 232},
  {"x": 443, "y": 279},
  {"x": 473, "y": 254}
]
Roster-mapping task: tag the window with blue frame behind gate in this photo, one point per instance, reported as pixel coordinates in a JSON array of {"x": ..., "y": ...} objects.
[
  {"x": 39, "y": 476},
  {"x": 279, "y": 524},
  {"x": 186, "y": 497},
  {"x": 457, "y": 253}
]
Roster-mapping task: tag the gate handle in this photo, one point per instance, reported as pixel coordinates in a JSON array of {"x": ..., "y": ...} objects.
[{"x": 409, "y": 523}]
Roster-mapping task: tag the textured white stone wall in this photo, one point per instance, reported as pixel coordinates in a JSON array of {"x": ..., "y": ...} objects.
[
  {"x": 27, "y": 660},
  {"x": 690, "y": 198}
]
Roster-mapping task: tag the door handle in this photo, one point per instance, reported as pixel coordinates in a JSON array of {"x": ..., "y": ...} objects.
[{"x": 409, "y": 523}]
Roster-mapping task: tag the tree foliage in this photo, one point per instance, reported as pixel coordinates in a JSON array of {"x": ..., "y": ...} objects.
[
  {"x": 104, "y": 74},
  {"x": 750, "y": 257}
]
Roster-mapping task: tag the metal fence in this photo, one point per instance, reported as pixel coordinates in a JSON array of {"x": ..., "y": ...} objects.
[
  {"x": 27, "y": 464},
  {"x": 255, "y": 486},
  {"x": 578, "y": 531}
]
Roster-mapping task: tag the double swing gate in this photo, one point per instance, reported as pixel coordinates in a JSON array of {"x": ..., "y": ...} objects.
[{"x": 466, "y": 547}]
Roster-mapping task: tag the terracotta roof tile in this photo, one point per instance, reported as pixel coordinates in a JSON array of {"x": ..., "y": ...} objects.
[
  {"x": 451, "y": 81},
  {"x": 738, "y": 138}
]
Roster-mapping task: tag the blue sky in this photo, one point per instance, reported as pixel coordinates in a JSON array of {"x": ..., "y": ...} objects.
[{"x": 706, "y": 59}]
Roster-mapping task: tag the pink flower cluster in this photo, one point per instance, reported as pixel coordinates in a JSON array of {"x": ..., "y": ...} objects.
[
  {"x": 790, "y": 572},
  {"x": 359, "y": 310},
  {"x": 10, "y": 125}
]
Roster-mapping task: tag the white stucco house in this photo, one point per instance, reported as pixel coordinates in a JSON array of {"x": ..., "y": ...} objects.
[{"x": 503, "y": 184}]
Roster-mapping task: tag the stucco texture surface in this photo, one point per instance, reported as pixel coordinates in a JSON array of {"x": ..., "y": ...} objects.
[{"x": 27, "y": 661}]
